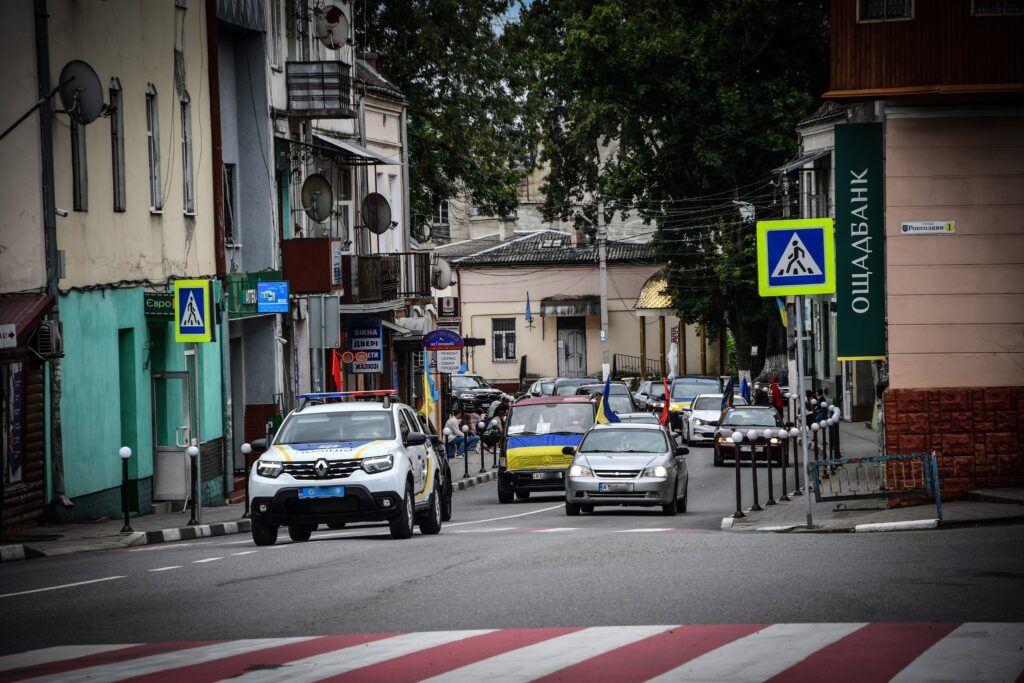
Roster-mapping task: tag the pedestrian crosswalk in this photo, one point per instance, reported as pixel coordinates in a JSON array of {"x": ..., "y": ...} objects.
[{"x": 835, "y": 652}]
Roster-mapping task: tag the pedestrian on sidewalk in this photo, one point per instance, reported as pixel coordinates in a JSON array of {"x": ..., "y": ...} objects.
[{"x": 455, "y": 441}]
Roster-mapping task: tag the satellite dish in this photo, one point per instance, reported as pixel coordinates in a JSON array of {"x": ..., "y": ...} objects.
[
  {"x": 442, "y": 274},
  {"x": 81, "y": 93},
  {"x": 377, "y": 213},
  {"x": 331, "y": 26},
  {"x": 317, "y": 197}
]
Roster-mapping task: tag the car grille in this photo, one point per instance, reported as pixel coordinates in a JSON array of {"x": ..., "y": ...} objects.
[
  {"x": 617, "y": 474},
  {"x": 337, "y": 469}
]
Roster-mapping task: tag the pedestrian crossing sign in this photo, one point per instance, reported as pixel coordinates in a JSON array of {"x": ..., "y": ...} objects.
[
  {"x": 796, "y": 257},
  {"x": 192, "y": 320}
]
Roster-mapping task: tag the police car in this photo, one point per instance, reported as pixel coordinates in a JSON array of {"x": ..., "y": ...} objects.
[{"x": 351, "y": 461}]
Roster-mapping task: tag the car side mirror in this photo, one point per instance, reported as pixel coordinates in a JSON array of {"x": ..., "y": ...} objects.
[
  {"x": 568, "y": 450},
  {"x": 682, "y": 450},
  {"x": 259, "y": 445},
  {"x": 415, "y": 439},
  {"x": 789, "y": 425}
]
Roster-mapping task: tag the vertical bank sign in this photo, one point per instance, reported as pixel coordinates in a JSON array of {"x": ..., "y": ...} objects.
[{"x": 860, "y": 242}]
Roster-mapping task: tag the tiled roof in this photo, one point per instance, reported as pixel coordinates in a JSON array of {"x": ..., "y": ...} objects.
[
  {"x": 554, "y": 247},
  {"x": 654, "y": 293},
  {"x": 454, "y": 250},
  {"x": 375, "y": 82}
]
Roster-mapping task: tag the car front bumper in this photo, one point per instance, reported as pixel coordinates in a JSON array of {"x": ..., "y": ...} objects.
[
  {"x": 357, "y": 505},
  {"x": 532, "y": 480},
  {"x": 639, "y": 491}
]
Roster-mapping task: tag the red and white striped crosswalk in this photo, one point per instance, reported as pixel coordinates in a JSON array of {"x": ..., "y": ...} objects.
[{"x": 834, "y": 652}]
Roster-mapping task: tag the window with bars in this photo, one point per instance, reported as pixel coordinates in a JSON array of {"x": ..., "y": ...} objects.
[
  {"x": 885, "y": 10},
  {"x": 988, "y": 8},
  {"x": 441, "y": 218},
  {"x": 230, "y": 204},
  {"x": 188, "y": 178},
  {"x": 156, "y": 201},
  {"x": 117, "y": 143},
  {"x": 503, "y": 340},
  {"x": 79, "y": 168}
]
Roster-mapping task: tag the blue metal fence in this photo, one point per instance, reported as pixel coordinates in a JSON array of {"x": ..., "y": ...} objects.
[{"x": 878, "y": 476}]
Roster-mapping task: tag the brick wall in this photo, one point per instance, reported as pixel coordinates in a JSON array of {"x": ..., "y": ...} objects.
[{"x": 977, "y": 434}]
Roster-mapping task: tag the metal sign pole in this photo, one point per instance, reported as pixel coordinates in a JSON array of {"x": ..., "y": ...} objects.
[{"x": 801, "y": 421}]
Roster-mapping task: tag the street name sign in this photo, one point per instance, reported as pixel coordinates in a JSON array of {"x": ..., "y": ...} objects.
[
  {"x": 795, "y": 257},
  {"x": 193, "y": 321},
  {"x": 928, "y": 228}
]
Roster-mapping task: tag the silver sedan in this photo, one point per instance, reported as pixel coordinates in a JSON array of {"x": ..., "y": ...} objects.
[{"x": 626, "y": 464}]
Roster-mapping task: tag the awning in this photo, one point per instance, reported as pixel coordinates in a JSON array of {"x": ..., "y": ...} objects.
[
  {"x": 21, "y": 312},
  {"x": 351, "y": 148},
  {"x": 571, "y": 306},
  {"x": 396, "y": 328},
  {"x": 654, "y": 298},
  {"x": 802, "y": 161}
]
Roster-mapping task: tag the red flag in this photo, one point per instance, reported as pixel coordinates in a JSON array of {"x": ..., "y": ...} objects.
[
  {"x": 336, "y": 370},
  {"x": 776, "y": 395},
  {"x": 664, "y": 407}
]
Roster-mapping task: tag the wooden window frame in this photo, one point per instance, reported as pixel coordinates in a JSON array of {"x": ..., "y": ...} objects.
[{"x": 884, "y": 19}]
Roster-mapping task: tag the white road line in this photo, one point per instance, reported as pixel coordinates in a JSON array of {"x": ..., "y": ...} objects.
[
  {"x": 164, "y": 569},
  {"x": 484, "y": 531},
  {"x": 167, "y": 546},
  {"x": 49, "y": 655},
  {"x": 640, "y": 531},
  {"x": 555, "y": 529},
  {"x": 760, "y": 655},
  {"x": 541, "y": 659},
  {"x": 162, "y": 662},
  {"x": 497, "y": 519},
  {"x": 244, "y": 552},
  {"x": 338, "y": 662},
  {"x": 973, "y": 652},
  {"x": 208, "y": 559},
  {"x": 65, "y": 585}
]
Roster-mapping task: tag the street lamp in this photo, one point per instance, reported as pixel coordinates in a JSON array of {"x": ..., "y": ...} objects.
[
  {"x": 193, "y": 453},
  {"x": 246, "y": 450},
  {"x": 126, "y": 454}
]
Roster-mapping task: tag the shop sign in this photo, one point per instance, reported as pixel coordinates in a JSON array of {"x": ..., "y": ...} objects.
[
  {"x": 366, "y": 336},
  {"x": 448, "y": 362},
  {"x": 448, "y": 307},
  {"x": 272, "y": 297},
  {"x": 442, "y": 340},
  {"x": 158, "y": 305}
]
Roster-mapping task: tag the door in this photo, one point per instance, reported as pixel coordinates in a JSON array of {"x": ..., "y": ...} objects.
[
  {"x": 572, "y": 347},
  {"x": 418, "y": 454},
  {"x": 172, "y": 431}
]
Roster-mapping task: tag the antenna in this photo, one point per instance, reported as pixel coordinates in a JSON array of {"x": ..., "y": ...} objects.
[
  {"x": 317, "y": 197},
  {"x": 330, "y": 26},
  {"x": 81, "y": 93},
  {"x": 377, "y": 213},
  {"x": 442, "y": 275}
]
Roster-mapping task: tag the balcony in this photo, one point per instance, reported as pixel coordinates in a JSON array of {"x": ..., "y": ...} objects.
[
  {"x": 379, "y": 278},
  {"x": 319, "y": 90},
  {"x": 242, "y": 291}
]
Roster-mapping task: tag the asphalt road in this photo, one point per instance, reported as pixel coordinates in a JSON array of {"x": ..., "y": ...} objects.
[{"x": 520, "y": 565}]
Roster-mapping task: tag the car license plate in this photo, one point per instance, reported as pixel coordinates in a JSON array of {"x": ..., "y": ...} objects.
[
  {"x": 745, "y": 449},
  {"x": 616, "y": 487},
  {"x": 322, "y": 492},
  {"x": 547, "y": 475}
]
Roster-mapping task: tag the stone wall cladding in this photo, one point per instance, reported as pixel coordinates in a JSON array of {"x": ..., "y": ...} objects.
[{"x": 977, "y": 434}]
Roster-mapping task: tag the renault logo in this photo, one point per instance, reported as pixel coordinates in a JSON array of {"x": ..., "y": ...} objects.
[{"x": 321, "y": 468}]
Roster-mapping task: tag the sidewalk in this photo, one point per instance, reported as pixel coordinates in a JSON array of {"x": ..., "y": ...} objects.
[
  {"x": 64, "y": 539},
  {"x": 991, "y": 506}
]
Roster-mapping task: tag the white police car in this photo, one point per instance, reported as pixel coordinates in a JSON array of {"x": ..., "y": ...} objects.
[{"x": 334, "y": 463}]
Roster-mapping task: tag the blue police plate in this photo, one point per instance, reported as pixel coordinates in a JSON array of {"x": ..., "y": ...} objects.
[{"x": 322, "y": 492}]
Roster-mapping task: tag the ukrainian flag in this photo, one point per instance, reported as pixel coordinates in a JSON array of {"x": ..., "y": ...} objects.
[
  {"x": 781, "y": 303},
  {"x": 605, "y": 414}
]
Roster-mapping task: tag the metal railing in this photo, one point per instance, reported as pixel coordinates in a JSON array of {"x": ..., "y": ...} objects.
[
  {"x": 629, "y": 366},
  {"x": 879, "y": 476},
  {"x": 379, "y": 276},
  {"x": 321, "y": 89}
]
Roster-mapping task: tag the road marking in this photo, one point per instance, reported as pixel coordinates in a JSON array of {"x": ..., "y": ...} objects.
[
  {"x": 64, "y": 585},
  {"x": 245, "y": 552},
  {"x": 973, "y": 652},
  {"x": 54, "y": 654},
  {"x": 484, "y": 531},
  {"x": 641, "y": 531},
  {"x": 164, "y": 569},
  {"x": 208, "y": 559},
  {"x": 167, "y": 546},
  {"x": 553, "y": 529},
  {"x": 498, "y": 519}
]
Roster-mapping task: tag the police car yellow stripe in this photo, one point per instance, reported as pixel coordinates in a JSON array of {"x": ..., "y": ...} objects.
[{"x": 363, "y": 449}]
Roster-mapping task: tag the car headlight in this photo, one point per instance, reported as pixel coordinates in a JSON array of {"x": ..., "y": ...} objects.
[
  {"x": 580, "y": 471},
  {"x": 469, "y": 396},
  {"x": 381, "y": 463},
  {"x": 502, "y": 462},
  {"x": 268, "y": 469},
  {"x": 774, "y": 440},
  {"x": 699, "y": 422},
  {"x": 658, "y": 471}
]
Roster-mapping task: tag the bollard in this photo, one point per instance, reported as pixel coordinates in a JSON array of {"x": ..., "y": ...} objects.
[
  {"x": 768, "y": 455},
  {"x": 752, "y": 435},
  {"x": 483, "y": 467},
  {"x": 836, "y": 448},
  {"x": 193, "y": 452},
  {"x": 784, "y": 435},
  {"x": 246, "y": 450},
  {"x": 126, "y": 454},
  {"x": 800, "y": 434},
  {"x": 736, "y": 438}
]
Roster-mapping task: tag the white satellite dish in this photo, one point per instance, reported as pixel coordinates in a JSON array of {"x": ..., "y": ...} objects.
[
  {"x": 331, "y": 26},
  {"x": 377, "y": 213},
  {"x": 81, "y": 93},
  {"x": 317, "y": 197},
  {"x": 442, "y": 275}
]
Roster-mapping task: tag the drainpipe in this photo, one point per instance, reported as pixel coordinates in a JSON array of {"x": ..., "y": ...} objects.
[{"x": 406, "y": 209}]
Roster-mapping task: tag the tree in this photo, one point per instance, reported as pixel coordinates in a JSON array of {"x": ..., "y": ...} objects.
[
  {"x": 678, "y": 110},
  {"x": 466, "y": 131}
]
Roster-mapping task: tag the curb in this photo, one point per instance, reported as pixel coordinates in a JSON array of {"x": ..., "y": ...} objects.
[
  {"x": 910, "y": 525},
  {"x": 463, "y": 483},
  {"x": 10, "y": 553}
]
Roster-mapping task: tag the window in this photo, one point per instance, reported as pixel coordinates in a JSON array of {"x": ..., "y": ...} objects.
[
  {"x": 156, "y": 202},
  {"x": 503, "y": 334},
  {"x": 79, "y": 168},
  {"x": 117, "y": 142},
  {"x": 12, "y": 412},
  {"x": 998, "y": 7},
  {"x": 441, "y": 218},
  {"x": 884, "y": 10},
  {"x": 229, "y": 203},
  {"x": 188, "y": 184},
  {"x": 275, "y": 34}
]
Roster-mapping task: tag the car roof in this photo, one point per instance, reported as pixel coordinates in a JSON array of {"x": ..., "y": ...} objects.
[
  {"x": 628, "y": 425},
  {"x": 600, "y": 385},
  {"x": 686, "y": 377},
  {"x": 347, "y": 407},
  {"x": 543, "y": 400},
  {"x": 577, "y": 380}
]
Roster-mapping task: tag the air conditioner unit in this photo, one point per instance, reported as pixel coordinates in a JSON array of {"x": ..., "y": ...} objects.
[{"x": 50, "y": 339}]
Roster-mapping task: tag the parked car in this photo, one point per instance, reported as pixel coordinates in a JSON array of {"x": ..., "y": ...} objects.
[
  {"x": 545, "y": 386},
  {"x": 683, "y": 391},
  {"x": 471, "y": 391},
  {"x": 566, "y": 386},
  {"x": 700, "y": 420},
  {"x": 745, "y": 419},
  {"x": 650, "y": 395},
  {"x": 434, "y": 439},
  {"x": 627, "y": 464},
  {"x": 619, "y": 398}
]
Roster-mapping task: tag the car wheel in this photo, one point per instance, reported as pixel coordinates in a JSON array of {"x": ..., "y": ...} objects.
[
  {"x": 263, "y": 534},
  {"x": 669, "y": 510},
  {"x": 446, "y": 501},
  {"x": 401, "y": 526},
  {"x": 300, "y": 532},
  {"x": 572, "y": 509},
  {"x": 431, "y": 522},
  {"x": 681, "y": 502},
  {"x": 523, "y": 495},
  {"x": 336, "y": 525},
  {"x": 587, "y": 508},
  {"x": 505, "y": 496}
]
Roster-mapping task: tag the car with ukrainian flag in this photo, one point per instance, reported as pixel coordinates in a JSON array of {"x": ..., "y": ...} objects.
[
  {"x": 535, "y": 433},
  {"x": 360, "y": 458}
]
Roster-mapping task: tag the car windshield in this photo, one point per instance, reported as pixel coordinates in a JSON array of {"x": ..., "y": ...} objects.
[
  {"x": 620, "y": 404},
  {"x": 749, "y": 417},
  {"x": 556, "y": 418},
  {"x": 656, "y": 391},
  {"x": 546, "y": 388},
  {"x": 624, "y": 441},
  {"x": 645, "y": 418},
  {"x": 569, "y": 388},
  {"x": 467, "y": 382},
  {"x": 691, "y": 387},
  {"x": 361, "y": 425},
  {"x": 715, "y": 402},
  {"x": 599, "y": 389}
]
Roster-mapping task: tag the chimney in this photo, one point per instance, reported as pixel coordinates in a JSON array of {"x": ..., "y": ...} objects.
[{"x": 373, "y": 59}]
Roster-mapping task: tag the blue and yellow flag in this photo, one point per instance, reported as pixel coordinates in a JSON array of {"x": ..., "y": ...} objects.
[
  {"x": 605, "y": 414},
  {"x": 745, "y": 390},
  {"x": 781, "y": 303},
  {"x": 726, "y": 398}
]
